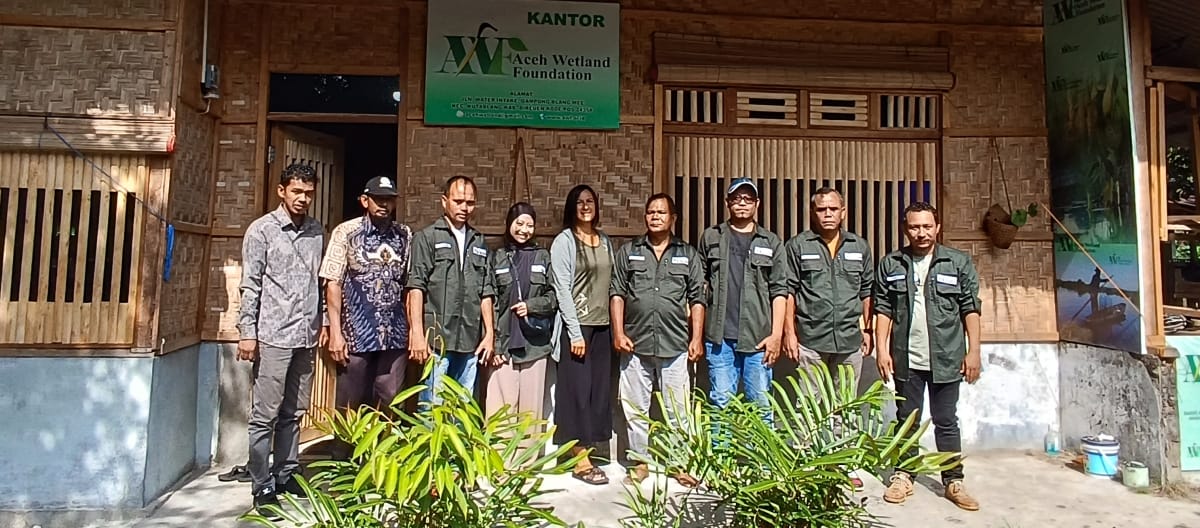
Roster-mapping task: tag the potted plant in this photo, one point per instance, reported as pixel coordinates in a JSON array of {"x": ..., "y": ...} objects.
[{"x": 1001, "y": 226}]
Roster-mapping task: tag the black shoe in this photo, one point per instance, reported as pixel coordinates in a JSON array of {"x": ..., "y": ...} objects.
[
  {"x": 292, "y": 487},
  {"x": 262, "y": 499},
  {"x": 238, "y": 473}
]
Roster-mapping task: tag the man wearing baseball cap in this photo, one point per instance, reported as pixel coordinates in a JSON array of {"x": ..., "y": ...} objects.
[
  {"x": 366, "y": 266},
  {"x": 747, "y": 276}
]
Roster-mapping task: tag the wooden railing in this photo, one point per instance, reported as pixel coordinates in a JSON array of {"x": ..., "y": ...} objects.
[{"x": 71, "y": 240}]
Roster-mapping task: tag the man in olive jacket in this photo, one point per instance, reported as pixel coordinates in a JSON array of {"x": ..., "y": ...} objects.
[
  {"x": 657, "y": 310},
  {"x": 747, "y": 275},
  {"x": 927, "y": 324},
  {"x": 450, "y": 292}
]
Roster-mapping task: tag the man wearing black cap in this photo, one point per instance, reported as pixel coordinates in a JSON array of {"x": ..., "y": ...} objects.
[
  {"x": 747, "y": 274},
  {"x": 366, "y": 267}
]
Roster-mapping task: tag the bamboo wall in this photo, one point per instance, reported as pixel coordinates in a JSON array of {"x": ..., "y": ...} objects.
[{"x": 995, "y": 53}]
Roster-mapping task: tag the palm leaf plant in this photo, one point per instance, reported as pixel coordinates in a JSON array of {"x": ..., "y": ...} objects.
[
  {"x": 792, "y": 473},
  {"x": 446, "y": 465}
]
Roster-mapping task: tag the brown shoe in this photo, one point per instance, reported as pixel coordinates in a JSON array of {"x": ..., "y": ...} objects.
[
  {"x": 958, "y": 495},
  {"x": 899, "y": 490},
  {"x": 637, "y": 474}
]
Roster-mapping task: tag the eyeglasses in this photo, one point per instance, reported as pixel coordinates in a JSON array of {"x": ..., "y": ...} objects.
[{"x": 742, "y": 199}]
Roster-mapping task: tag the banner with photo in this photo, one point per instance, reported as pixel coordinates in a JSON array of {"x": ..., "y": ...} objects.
[
  {"x": 523, "y": 63},
  {"x": 1187, "y": 371},
  {"x": 1092, "y": 172}
]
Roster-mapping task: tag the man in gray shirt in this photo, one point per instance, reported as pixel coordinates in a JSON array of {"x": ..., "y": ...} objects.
[{"x": 279, "y": 324}]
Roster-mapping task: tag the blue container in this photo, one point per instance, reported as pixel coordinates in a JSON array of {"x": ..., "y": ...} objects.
[{"x": 1102, "y": 455}]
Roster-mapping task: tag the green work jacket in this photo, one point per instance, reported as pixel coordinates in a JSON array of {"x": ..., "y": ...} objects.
[
  {"x": 539, "y": 299},
  {"x": 951, "y": 293},
  {"x": 658, "y": 294},
  {"x": 765, "y": 278},
  {"x": 453, "y": 293},
  {"x": 829, "y": 290}
]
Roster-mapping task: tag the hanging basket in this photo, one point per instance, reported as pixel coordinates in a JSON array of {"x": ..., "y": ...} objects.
[{"x": 999, "y": 227}]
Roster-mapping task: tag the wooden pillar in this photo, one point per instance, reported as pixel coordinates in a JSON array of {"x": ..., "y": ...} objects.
[
  {"x": 1148, "y": 235},
  {"x": 154, "y": 232}
]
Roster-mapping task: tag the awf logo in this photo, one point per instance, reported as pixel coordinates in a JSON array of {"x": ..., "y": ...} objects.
[
  {"x": 1191, "y": 372},
  {"x": 480, "y": 54}
]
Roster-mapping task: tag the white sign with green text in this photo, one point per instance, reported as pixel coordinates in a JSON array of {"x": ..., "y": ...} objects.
[{"x": 523, "y": 63}]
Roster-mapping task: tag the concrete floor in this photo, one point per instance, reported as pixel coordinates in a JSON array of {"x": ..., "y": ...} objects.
[{"x": 1016, "y": 490}]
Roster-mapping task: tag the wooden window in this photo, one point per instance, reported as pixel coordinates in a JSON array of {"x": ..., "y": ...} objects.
[
  {"x": 908, "y": 111},
  {"x": 694, "y": 106},
  {"x": 837, "y": 110},
  {"x": 71, "y": 239},
  {"x": 766, "y": 108},
  {"x": 877, "y": 178}
]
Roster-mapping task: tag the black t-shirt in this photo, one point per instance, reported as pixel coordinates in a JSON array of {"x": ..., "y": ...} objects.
[{"x": 739, "y": 250}]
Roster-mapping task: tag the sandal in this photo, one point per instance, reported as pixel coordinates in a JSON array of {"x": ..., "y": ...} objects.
[
  {"x": 593, "y": 476},
  {"x": 636, "y": 475}
]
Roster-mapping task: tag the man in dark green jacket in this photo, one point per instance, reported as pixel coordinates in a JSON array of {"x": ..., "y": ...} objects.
[
  {"x": 450, "y": 292},
  {"x": 832, "y": 275},
  {"x": 747, "y": 274},
  {"x": 927, "y": 324},
  {"x": 657, "y": 309}
]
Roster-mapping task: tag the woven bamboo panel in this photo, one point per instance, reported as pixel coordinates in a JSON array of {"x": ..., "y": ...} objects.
[
  {"x": 348, "y": 35},
  {"x": 877, "y": 179},
  {"x": 892, "y": 10},
  {"x": 619, "y": 165},
  {"x": 240, "y": 49},
  {"x": 1000, "y": 83},
  {"x": 970, "y": 163},
  {"x": 436, "y": 154},
  {"x": 83, "y": 71},
  {"x": 132, "y": 9},
  {"x": 221, "y": 298},
  {"x": 178, "y": 320},
  {"x": 236, "y": 201},
  {"x": 71, "y": 241},
  {"x": 1022, "y": 12},
  {"x": 192, "y": 175},
  {"x": 1016, "y": 288},
  {"x": 637, "y": 30}
]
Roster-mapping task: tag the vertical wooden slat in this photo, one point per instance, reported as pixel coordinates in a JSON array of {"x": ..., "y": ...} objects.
[
  {"x": 139, "y": 219},
  {"x": 97, "y": 308},
  {"x": 128, "y": 166},
  {"x": 678, "y": 113},
  {"x": 46, "y": 305},
  {"x": 694, "y": 115},
  {"x": 66, "y": 182},
  {"x": 720, "y": 107}
]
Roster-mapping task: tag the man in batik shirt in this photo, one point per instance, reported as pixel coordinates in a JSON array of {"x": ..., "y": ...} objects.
[{"x": 366, "y": 266}]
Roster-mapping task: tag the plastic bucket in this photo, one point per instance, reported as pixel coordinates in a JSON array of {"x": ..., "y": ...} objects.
[
  {"x": 1101, "y": 454},
  {"x": 1135, "y": 475}
]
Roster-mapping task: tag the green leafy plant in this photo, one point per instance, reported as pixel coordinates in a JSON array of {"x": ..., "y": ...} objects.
[
  {"x": 446, "y": 465},
  {"x": 1021, "y": 217},
  {"x": 794, "y": 473}
]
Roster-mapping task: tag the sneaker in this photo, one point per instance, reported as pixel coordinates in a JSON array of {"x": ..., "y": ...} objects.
[
  {"x": 292, "y": 487},
  {"x": 238, "y": 473},
  {"x": 957, "y": 493},
  {"x": 266, "y": 497},
  {"x": 899, "y": 490}
]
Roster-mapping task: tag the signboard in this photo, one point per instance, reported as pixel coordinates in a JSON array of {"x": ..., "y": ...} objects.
[
  {"x": 1091, "y": 172},
  {"x": 523, "y": 63},
  {"x": 1187, "y": 371}
]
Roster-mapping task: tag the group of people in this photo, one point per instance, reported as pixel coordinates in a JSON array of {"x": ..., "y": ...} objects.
[{"x": 382, "y": 295}]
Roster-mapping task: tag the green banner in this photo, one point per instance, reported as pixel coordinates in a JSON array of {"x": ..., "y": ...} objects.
[
  {"x": 523, "y": 63},
  {"x": 1091, "y": 172},
  {"x": 1187, "y": 371}
]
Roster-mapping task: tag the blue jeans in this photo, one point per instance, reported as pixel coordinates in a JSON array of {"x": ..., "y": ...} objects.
[
  {"x": 726, "y": 368},
  {"x": 458, "y": 365}
]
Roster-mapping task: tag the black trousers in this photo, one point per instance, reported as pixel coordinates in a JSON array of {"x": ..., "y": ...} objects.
[
  {"x": 943, "y": 403},
  {"x": 370, "y": 378},
  {"x": 583, "y": 395}
]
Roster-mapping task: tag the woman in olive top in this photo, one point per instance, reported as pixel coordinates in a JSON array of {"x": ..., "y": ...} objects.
[
  {"x": 525, "y": 304},
  {"x": 581, "y": 257}
]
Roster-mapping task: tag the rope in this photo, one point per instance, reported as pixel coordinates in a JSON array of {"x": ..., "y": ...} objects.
[
  {"x": 112, "y": 182},
  {"x": 1097, "y": 264}
]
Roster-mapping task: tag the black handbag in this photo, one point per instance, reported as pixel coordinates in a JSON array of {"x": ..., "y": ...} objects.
[{"x": 531, "y": 325}]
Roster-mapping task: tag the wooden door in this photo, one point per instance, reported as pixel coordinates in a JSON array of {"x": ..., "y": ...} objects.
[{"x": 325, "y": 153}]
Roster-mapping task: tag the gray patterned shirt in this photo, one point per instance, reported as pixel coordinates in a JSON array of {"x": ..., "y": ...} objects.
[{"x": 282, "y": 305}]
